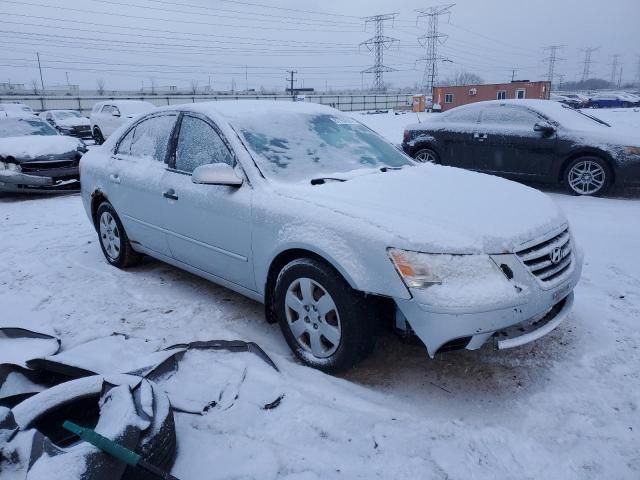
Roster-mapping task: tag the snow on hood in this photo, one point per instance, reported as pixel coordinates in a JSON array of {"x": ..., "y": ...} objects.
[
  {"x": 35, "y": 146},
  {"x": 440, "y": 209},
  {"x": 72, "y": 121}
]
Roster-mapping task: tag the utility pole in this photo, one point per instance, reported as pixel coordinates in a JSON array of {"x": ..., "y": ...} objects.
[
  {"x": 614, "y": 68},
  {"x": 40, "y": 68},
  {"x": 377, "y": 44},
  {"x": 513, "y": 74},
  {"x": 246, "y": 79},
  {"x": 552, "y": 59},
  {"x": 586, "y": 71},
  {"x": 430, "y": 42},
  {"x": 620, "y": 77},
  {"x": 291, "y": 80},
  {"x": 638, "y": 73}
]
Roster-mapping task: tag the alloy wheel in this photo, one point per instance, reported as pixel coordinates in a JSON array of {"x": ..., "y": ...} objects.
[
  {"x": 425, "y": 157},
  {"x": 312, "y": 317},
  {"x": 587, "y": 177},
  {"x": 110, "y": 236}
]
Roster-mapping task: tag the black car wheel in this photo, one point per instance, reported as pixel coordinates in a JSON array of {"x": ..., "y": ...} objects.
[
  {"x": 588, "y": 176},
  {"x": 426, "y": 155},
  {"x": 114, "y": 242},
  {"x": 97, "y": 136},
  {"x": 327, "y": 324}
]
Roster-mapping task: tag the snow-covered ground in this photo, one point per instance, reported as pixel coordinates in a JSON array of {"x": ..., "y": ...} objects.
[{"x": 565, "y": 407}]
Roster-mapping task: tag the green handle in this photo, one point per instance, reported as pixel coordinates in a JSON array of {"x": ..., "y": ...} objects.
[{"x": 112, "y": 448}]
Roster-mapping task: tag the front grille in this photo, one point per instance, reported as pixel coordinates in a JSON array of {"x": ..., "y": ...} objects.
[
  {"x": 38, "y": 166},
  {"x": 549, "y": 259}
]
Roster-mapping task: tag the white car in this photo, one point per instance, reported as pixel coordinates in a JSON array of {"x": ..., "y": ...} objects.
[
  {"x": 106, "y": 117},
  {"x": 16, "y": 109},
  {"x": 307, "y": 210}
]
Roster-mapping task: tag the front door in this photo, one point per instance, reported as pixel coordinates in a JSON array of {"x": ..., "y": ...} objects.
[
  {"x": 135, "y": 177},
  {"x": 454, "y": 140},
  {"x": 208, "y": 226},
  {"x": 507, "y": 144}
]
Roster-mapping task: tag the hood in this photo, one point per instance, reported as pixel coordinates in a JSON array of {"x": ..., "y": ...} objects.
[
  {"x": 73, "y": 122},
  {"x": 605, "y": 136},
  {"x": 37, "y": 146},
  {"x": 438, "y": 209}
]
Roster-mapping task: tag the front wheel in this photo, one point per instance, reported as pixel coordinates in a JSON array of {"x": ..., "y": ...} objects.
[
  {"x": 327, "y": 324},
  {"x": 97, "y": 136},
  {"x": 114, "y": 242},
  {"x": 588, "y": 176},
  {"x": 426, "y": 155}
]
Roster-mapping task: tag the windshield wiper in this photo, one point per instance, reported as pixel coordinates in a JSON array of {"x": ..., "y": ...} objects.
[
  {"x": 321, "y": 180},
  {"x": 386, "y": 169}
]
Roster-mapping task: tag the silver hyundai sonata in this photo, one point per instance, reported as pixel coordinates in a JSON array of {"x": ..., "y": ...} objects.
[{"x": 333, "y": 228}]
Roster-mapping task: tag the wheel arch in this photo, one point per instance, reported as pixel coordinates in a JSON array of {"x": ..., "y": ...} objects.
[
  {"x": 426, "y": 142},
  {"x": 587, "y": 152},
  {"x": 97, "y": 198}
]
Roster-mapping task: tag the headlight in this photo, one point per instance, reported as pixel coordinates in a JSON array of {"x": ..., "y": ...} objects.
[
  {"x": 423, "y": 270},
  {"x": 632, "y": 150},
  {"x": 13, "y": 167}
]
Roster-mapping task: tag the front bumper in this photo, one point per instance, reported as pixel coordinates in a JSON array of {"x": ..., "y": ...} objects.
[
  {"x": 45, "y": 181},
  {"x": 537, "y": 311}
]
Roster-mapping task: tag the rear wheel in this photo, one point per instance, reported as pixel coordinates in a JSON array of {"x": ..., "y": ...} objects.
[
  {"x": 588, "y": 176},
  {"x": 327, "y": 324},
  {"x": 114, "y": 242},
  {"x": 97, "y": 136},
  {"x": 426, "y": 155}
]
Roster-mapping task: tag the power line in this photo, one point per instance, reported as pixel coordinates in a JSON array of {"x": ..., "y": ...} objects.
[
  {"x": 378, "y": 43},
  {"x": 430, "y": 42}
]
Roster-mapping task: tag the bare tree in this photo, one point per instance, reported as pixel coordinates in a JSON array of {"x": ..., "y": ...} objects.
[
  {"x": 463, "y": 78},
  {"x": 194, "y": 87},
  {"x": 100, "y": 85},
  {"x": 34, "y": 87}
]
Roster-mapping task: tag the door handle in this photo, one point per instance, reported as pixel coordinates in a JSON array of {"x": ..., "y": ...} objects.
[
  {"x": 115, "y": 178},
  {"x": 171, "y": 194},
  {"x": 480, "y": 136}
]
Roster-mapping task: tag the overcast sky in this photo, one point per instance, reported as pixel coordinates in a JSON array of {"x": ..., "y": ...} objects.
[{"x": 134, "y": 43}]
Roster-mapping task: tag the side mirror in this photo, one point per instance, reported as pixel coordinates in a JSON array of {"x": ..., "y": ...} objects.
[
  {"x": 544, "y": 127},
  {"x": 115, "y": 114},
  {"x": 216, "y": 174}
]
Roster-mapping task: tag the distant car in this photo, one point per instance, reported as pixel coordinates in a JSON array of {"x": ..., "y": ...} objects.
[
  {"x": 566, "y": 100},
  {"x": 612, "y": 100},
  {"x": 34, "y": 157},
  {"x": 19, "y": 109},
  {"x": 578, "y": 100},
  {"x": 68, "y": 122},
  {"x": 106, "y": 117},
  {"x": 303, "y": 208},
  {"x": 529, "y": 140}
]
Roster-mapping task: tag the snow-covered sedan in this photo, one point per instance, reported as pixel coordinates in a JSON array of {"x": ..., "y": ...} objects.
[
  {"x": 68, "y": 122},
  {"x": 303, "y": 208},
  {"x": 106, "y": 117},
  {"x": 529, "y": 140},
  {"x": 34, "y": 157}
]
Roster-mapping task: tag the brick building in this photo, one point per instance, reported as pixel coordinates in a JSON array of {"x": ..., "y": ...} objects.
[{"x": 454, "y": 96}]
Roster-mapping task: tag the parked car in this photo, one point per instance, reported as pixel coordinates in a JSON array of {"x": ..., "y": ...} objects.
[
  {"x": 107, "y": 116},
  {"x": 566, "y": 100},
  {"x": 33, "y": 157},
  {"x": 19, "y": 109},
  {"x": 281, "y": 201},
  {"x": 529, "y": 140},
  {"x": 68, "y": 122},
  {"x": 610, "y": 100},
  {"x": 580, "y": 101}
]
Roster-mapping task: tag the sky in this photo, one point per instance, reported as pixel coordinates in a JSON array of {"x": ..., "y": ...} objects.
[{"x": 133, "y": 44}]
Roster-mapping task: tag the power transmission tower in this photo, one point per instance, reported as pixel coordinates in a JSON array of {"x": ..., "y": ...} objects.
[
  {"x": 377, "y": 44},
  {"x": 638, "y": 73},
  {"x": 552, "y": 59},
  {"x": 586, "y": 71},
  {"x": 430, "y": 42},
  {"x": 291, "y": 80},
  {"x": 614, "y": 68},
  {"x": 620, "y": 77},
  {"x": 560, "y": 80}
]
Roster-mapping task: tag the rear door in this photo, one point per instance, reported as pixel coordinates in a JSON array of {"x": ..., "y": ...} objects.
[
  {"x": 454, "y": 139},
  {"x": 135, "y": 179},
  {"x": 507, "y": 144},
  {"x": 208, "y": 226}
]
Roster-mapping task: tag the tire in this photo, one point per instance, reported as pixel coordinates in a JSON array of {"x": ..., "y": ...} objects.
[
  {"x": 588, "y": 176},
  {"x": 339, "y": 325},
  {"x": 114, "y": 241},
  {"x": 97, "y": 136},
  {"x": 426, "y": 155}
]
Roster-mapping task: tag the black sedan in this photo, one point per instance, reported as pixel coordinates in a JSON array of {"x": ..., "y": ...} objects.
[
  {"x": 68, "y": 122},
  {"x": 34, "y": 157},
  {"x": 529, "y": 140}
]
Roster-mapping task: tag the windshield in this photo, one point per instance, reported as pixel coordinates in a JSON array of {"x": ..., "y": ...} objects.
[
  {"x": 305, "y": 146},
  {"x": 66, "y": 114},
  {"x": 575, "y": 119},
  {"x": 20, "y": 127}
]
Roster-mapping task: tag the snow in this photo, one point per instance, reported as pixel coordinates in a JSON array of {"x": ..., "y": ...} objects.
[
  {"x": 35, "y": 146},
  {"x": 563, "y": 407}
]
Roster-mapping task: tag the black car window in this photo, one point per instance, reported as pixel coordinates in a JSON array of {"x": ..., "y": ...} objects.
[
  {"x": 20, "y": 127},
  {"x": 505, "y": 115},
  {"x": 199, "y": 144},
  {"x": 463, "y": 115},
  {"x": 149, "y": 138}
]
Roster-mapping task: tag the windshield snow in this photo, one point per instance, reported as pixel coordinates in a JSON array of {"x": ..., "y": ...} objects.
[
  {"x": 574, "y": 119},
  {"x": 67, "y": 114},
  {"x": 20, "y": 127},
  {"x": 303, "y": 146}
]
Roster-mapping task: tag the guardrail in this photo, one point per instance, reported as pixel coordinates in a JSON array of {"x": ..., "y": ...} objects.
[{"x": 84, "y": 104}]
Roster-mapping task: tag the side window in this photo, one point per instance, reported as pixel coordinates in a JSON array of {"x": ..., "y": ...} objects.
[
  {"x": 107, "y": 109},
  {"x": 124, "y": 148},
  {"x": 199, "y": 144},
  {"x": 463, "y": 115},
  {"x": 503, "y": 115},
  {"x": 115, "y": 110},
  {"x": 448, "y": 98},
  {"x": 150, "y": 138}
]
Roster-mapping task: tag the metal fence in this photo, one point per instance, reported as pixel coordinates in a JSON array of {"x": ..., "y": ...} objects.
[{"x": 84, "y": 104}]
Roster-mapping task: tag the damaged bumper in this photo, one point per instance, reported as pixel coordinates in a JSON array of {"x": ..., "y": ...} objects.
[
  {"x": 538, "y": 310},
  {"x": 47, "y": 181}
]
